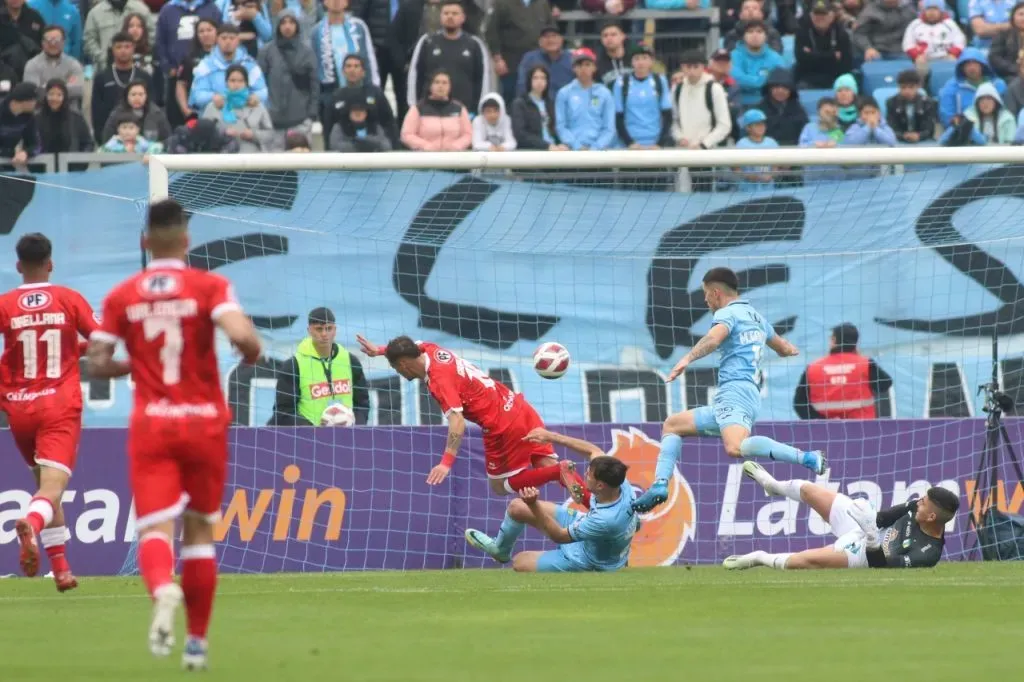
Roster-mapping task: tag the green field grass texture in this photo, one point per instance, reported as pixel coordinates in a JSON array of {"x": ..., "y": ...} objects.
[{"x": 961, "y": 621}]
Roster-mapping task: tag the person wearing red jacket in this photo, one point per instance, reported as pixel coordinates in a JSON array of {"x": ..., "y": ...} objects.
[{"x": 842, "y": 385}]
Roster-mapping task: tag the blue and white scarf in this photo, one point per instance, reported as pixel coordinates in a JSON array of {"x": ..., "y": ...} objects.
[{"x": 332, "y": 57}]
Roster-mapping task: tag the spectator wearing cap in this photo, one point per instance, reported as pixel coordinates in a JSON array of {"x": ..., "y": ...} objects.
[
  {"x": 552, "y": 55},
  {"x": 701, "y": 118},
  {"x": 720, "y": 68},
  {"x": 533, "y": 115},
  {"x": 289, "y": 65},
  {"x": 513, "y": 29},
  {"x": 784, "y": 115},
  {"x": 879, "y": 30},
  {"x": 846, "y": 91},
  {"x": 752, "y": 10},
  {"x": 19, "y": 139},
  {"x": 824, "y": 50},
  {"x": 989, "y": 18},
  {"x": 54, "y": 63},
  {"x": 321, "y": 372},
  {"x": 613, "y": 7},
  {"x": 643, "y": 104},
  {"x": 209, "y": 82},
  {"x": 1008, "y": 45},
  {"x": 63, "y": 13},
  {"x": 752, "y": 61},
  {"x": 379, "y": 112},
  {"x": 910, "y": 113},
  {"x": 355, "y": 131},
  {"x": 613, "y": 59},
  {"x": 844, "y": 384},
  {"x": 755, "y": 178},
  {"x": 933, "y": 36},
  {"x": 584, "y": 109}
]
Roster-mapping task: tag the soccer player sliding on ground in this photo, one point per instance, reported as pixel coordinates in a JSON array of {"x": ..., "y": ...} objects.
[
  {"x": 596, "y": 541},
  {"x": 166, "y": 316},
  {"x": 741, "y": 334},
  {"x": 464, "y": 392},
  {"x": 909, "y": 535},
  {"x": 42, "y": 396}
]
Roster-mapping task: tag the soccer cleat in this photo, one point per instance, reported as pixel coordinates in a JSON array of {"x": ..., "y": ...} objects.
[
  {"x": 65, "y": 581},
  {"x": 572, "y": 482},
  {"x": 759, "y": 475},
  {"x": 166, "y": 600},
  {"x": 738, "y": 562},
  {"x": 655, "y": 495},
  {"x": 194, "y": 655},
  {"x": 822, "y": 467},
  {"x": 486, "y": 545},
  {"x": 28, "y": 554}
]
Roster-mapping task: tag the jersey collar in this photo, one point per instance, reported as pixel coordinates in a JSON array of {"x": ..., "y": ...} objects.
[
  {"x": 34, "y": 285},
  {"x": 166, "y": 263},
  {"x": 738, "y": 300},
  {"x": 602, "y": 505}
]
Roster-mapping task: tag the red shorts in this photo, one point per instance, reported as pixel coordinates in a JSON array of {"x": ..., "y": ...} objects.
[
  {"x": 177, "y": 465},
  {"x": 46, "y": 433},
  {"x": 506, "y": 453}
]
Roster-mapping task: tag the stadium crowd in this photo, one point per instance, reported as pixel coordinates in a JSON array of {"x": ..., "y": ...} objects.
[{"x": 444, "y": 75}]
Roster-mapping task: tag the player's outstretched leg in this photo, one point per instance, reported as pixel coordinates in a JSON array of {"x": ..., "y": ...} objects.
[
  {"x": 762, "y": 446},
  {"x": 499, "y": 548},
  {"x": 564, "y": 472},
  {"x": 199, "y": 583},
  {"x": 754, "y": 559},
  {"x": 675, "y": 427},
  {"x": 773, "y": 487}
]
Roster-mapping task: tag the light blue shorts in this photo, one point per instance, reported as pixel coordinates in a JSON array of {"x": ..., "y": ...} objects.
[
  {"x": 736, "y": 402},
  {"x": 568, "y": 558}
]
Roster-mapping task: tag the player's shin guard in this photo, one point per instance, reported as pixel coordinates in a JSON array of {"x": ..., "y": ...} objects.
[
  {"x": 671, "y": 449},
  {"x": 156, "y": 560},
  {"x": 40, "y": 514},
  {"x": 199, "y": 583},
  {"x": 508, "y": 534}
]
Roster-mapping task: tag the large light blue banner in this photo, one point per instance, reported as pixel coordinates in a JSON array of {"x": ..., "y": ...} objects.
[{"x": 925, "y": 264}]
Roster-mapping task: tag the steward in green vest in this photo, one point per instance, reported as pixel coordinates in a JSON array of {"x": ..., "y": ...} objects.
[{"x": 320, "y": 373}]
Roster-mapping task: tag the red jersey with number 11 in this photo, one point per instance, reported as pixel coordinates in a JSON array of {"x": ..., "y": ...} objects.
[
  {"x": 460, "y": 386},
  {"x": 166, "y": 317},
  {"x": 42, "y": 324}
]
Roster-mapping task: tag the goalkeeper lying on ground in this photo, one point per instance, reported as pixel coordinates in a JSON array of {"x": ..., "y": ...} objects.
[{"x": 909, "y": 535}]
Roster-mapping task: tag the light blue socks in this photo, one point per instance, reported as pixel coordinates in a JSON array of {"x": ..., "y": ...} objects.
[
  {"x": 508, "y": 534},
  {"x": 762, "y": 446},
  {"x": 671, "y": 449}
]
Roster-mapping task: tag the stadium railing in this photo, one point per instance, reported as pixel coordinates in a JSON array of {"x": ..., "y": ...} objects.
[
  {"x": 46, "y": 162},
  {"x": 665, "y": 29}
]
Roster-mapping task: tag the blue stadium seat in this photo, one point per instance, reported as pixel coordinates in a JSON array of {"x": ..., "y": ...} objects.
[
  {"x": 882, "y": 73},
  {"x": 941, "y": 73},
  {"x": 809, "y": 100},
  {"x": 882, "y": 96},
  {"x": 789, "y": 50}
]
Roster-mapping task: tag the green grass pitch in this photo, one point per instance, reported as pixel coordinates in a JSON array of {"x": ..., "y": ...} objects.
[{"x": 957, "y": 622}]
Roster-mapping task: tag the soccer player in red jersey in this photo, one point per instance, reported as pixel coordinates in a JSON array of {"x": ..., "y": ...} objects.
[
  {"x": 42, "y": 396},
  {"x": 465, "y": 392},
  {"x": 167, "y": 316}
]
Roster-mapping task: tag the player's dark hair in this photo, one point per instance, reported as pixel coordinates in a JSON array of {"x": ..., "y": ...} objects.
[
  {"x": 34, "y": 249},
  {"x": 166, "y": 214},
  {"x": 946, "y": 500},
  {"x": 608, "y": 470},
  {"x": 401, "y": 347},
  {"x": 724, "y": 277}
]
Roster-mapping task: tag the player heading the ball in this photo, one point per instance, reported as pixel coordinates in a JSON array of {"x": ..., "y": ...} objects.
[
  {"x": 167, "y": 316},
  {"x": 464, "y": 392},
  {"x": 741, "y": 334},
  {"x": 42, "y": 395},
  {"x": 598, "y": 540},
  {"x": 909, "y": 535}
]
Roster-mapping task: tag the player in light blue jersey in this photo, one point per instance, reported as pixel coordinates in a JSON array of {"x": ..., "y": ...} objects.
[
  {"x": 596, "y": 541},
  {"x": 741, "y": 334}
]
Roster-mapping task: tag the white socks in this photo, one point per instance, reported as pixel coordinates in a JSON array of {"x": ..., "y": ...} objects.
[
  {"x": 776, "y": 561},
  {"x": 790, "y": 489}
]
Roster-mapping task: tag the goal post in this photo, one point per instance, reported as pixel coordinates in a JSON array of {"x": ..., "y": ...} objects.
[{"x": 492, "y": 254}]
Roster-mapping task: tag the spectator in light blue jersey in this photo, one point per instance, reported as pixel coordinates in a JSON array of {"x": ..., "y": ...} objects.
[
  {"x": 755, "y": 178},
  {"x": 643, "y": 104},
  {"x": 752, "y": 61},
  {"x": 584, "y": 109},
  {"x": 252, "y": 19},
  {"x": 209, "y": 79},
  {"x": 870, "y": 128},
  {"x": 598, "y": 540},
  {"x": 63, "y": 13},
  {"x": 989, "y": 18}
]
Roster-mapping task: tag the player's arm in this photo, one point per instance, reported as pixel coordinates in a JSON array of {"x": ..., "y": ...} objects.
[
  {"x": 708, "y": 344},
  {"x": 99, "y": 356},
  {"x": 545, "y": 520},
  {"x": 540, "y": 435},
  {"x": 239, "y": 330},
  {"x": 782, "y": 347},
  {"x": 456, "y": 432},
  {"x": 887, "y": 517}
]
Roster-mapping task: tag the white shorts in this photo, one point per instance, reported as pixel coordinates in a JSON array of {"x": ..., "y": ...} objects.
[{"x": 850, "y": 536}]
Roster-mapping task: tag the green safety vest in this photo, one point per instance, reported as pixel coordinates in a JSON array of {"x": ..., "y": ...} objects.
[{"x": 322, "y": 381}]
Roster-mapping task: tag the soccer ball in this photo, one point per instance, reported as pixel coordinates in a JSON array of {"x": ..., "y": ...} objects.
[
  {"x": 337, "y": 414},
  {"x": 551, "y": 360}
]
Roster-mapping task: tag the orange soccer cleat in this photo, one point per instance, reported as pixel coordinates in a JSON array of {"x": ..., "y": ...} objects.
[
  {"x": 65, "y": 581},
  {"x": 28, "y": 555},
  {"x": 572, "y": 481}
]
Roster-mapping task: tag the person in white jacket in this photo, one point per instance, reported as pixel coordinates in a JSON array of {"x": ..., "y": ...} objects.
[
  {"x": 492, "y": 129},
  {"x": 934, "y": 35},
  {"x": 700, "y": 117}
]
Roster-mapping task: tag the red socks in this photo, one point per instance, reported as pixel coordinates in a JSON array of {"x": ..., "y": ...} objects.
[
  {"x": 156, "y": 560},
  {"x": 534, "y": 478},
  {"x": 40, "y": 514},
  {"x": 53, "y": 540},
  {"x": 199, "y": 583}
]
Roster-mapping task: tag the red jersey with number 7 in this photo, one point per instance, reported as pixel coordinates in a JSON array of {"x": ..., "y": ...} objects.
[
  {"x": 460, "y": 386},
  {"x": 42, "y": 324},
  {"x": 166, "y": 316}
]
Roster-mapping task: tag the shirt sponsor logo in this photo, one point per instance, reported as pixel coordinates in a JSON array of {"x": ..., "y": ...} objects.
[
  {"x": 325, "y": 390},
  {"x": 34, "y": 300},
  {"x": 23, "y": 396},
  {"x": 168, "y": 410}
]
